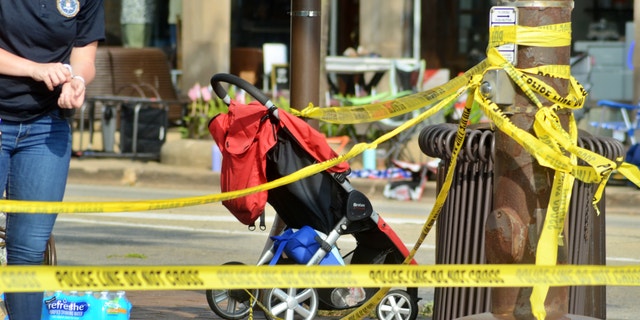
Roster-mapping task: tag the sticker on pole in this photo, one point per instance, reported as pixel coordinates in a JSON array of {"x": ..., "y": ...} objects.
[{"x": 505, "y": 16}]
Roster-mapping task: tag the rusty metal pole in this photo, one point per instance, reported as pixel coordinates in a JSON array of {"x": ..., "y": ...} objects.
[
  {"x": 306, "y": 26},
  {"x": 522, "y": 186}
]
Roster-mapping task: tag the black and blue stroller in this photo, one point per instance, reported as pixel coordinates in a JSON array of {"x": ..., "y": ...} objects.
[{"x": 261, "y": 143}]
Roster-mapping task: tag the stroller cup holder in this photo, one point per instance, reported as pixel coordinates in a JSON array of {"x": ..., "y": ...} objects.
[{"x": 358, "y": 206}]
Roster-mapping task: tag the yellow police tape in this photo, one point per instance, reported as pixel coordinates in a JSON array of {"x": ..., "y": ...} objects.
[
  {"x": 392, "y": 108},
  {"x": 556, "y": 35},
  {"x": 81, "y": 278},
  {"x": 437, "y": 207},
  {"x": 552, "y": 146}
]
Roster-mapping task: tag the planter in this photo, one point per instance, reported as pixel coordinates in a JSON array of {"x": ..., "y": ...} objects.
[{"x": 194, "y": 153}]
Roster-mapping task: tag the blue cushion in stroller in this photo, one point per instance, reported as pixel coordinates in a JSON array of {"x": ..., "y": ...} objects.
[{"x": 301, "y": 244}]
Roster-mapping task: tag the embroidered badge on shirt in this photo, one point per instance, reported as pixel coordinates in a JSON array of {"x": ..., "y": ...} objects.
[{"x": 68, "y": 8}]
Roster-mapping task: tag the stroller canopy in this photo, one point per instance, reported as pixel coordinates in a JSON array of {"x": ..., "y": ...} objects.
[{"x": 245, "y": 135}]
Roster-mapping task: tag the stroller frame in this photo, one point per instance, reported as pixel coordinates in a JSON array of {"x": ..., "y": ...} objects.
[{"x": 349, "y": 212}]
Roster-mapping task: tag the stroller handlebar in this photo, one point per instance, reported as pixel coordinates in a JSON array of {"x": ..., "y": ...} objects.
[{"x": 242, "y": 84}]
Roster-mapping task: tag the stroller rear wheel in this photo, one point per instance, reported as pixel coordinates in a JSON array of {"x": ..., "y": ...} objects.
[
  {"x": 232, "y": 304},
  {"x": 291, "y": 303},
  {"x": 397, "y": 304}
]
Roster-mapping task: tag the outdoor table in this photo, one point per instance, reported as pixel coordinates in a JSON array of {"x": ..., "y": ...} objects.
[{"x": 361, "y": 65}]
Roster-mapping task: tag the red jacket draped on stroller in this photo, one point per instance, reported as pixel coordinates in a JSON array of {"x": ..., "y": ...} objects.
[{"x": 245, "y": 135}]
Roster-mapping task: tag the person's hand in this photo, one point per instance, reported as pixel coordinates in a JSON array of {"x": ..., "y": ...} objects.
[
  {"x": 52, "y": 74},
  {"x": 72, "y": 95}
]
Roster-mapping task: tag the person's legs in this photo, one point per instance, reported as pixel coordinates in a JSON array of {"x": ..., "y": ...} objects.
[{"x": 39, "y": 154}]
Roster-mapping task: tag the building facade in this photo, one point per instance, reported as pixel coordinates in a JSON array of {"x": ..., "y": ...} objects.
[{"x": 453, "y": 34}]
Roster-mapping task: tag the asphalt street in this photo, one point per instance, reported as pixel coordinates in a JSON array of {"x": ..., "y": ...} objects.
[{"x": 209, "y": 234}]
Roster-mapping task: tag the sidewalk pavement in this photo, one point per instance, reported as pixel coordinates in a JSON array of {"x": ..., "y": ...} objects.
[{"x": 126, "y": 172}]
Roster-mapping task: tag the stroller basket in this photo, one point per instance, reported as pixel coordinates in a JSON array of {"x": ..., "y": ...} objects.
[{"x": 325, "y": 201}]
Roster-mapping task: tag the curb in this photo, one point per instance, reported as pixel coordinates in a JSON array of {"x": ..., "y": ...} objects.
[
  {"x": 123, "y": 172},
  {"x": 130, "y": 173},
  {"x": 134, "y": 173},
  {"x": 126, "y": 172}
]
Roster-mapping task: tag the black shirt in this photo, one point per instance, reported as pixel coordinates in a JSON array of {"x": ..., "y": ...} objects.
[{"x": 43, "y": 31}]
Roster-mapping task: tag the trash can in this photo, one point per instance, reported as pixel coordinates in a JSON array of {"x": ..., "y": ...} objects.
[{"x": 460, "y": 235}]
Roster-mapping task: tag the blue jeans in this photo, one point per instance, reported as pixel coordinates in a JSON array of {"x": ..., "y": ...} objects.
[{"x": 34, "y": 163}]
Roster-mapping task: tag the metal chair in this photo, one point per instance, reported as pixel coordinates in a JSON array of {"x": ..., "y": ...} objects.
[
  {"x": 405, "y": 77},
  {"x": 409, "y": 75},
  {"x": 622, "y": 130}
]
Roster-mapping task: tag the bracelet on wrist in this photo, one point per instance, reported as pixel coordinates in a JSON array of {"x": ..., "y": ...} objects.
[{"x": 79, "y": 78}]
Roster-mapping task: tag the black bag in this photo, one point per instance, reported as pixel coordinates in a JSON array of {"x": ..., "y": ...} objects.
[{"x": 152, "y": 125}]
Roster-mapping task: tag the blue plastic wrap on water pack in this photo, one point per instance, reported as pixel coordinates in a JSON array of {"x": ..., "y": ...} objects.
[{"x": 71, "y": 306}]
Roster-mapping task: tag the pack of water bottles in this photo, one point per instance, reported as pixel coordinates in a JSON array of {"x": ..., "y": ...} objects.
[{"x": 73, "y": 305}]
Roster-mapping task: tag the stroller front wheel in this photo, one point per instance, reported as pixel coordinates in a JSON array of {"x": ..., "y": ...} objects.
[
  {"x": 291, "y": 303},
  {"x": 397, "y": 304},
  {"x": 231, "y": 304}
]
